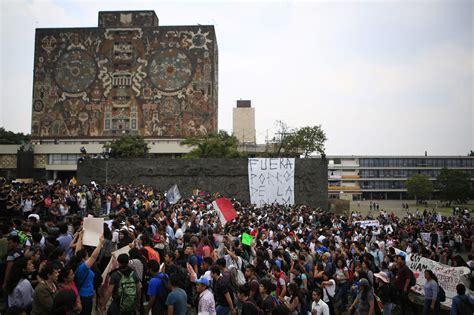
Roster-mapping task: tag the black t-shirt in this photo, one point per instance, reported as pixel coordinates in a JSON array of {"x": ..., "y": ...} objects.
[
  {"x": 249, "y": 307},
  {"x": 220, "y": 288},
  {"x": 267, "y": 305}
]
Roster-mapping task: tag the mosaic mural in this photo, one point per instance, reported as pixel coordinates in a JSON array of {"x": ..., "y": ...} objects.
[{"x": 127, "y": 76}]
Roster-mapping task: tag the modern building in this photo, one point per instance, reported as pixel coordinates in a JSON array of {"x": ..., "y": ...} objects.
[
  {"x": 244, "y": 122},
  {"x": 384, "y": 177}
]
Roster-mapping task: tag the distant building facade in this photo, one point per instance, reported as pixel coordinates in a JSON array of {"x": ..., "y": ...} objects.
[
  {"x": 127, "y": 76},
  {"x": 384, "y": 177},
  {"x": 243, "y": 119}
]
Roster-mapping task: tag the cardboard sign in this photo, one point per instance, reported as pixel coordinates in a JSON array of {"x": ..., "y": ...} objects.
[{"x": 93, "y": 229}]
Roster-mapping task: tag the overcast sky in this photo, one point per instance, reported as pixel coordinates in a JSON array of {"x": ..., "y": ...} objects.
[{"x": 381, "y": 77}]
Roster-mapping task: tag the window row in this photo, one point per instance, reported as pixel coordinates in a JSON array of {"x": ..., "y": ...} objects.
[{"x": 416, "y": 162}]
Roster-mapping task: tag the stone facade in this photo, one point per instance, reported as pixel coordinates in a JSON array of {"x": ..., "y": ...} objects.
[
  {"x": 127, "y": 76},
  {"x": 7, "y": 161},
  {"x": 229, "y": 177}
]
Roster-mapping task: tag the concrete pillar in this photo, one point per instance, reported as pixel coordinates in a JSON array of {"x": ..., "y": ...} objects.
[
  {"x": 55, "y": 175},
  {"x": 386, "y": 195}
]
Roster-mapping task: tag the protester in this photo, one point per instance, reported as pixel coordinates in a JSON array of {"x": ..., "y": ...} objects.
[
  {"x": 185, "y": 260},
  {"x": 18, "y": 288},
  {"x": 45, "y": 292},
  {"x": 431, "y": 288},
  {"x": 206, "y": 302}
]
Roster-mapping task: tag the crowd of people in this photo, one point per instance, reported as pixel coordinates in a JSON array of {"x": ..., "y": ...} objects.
[{"x": 181, "y": 259}]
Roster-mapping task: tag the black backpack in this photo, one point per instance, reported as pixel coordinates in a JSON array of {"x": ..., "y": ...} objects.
[{"x": 441, "y": 294}]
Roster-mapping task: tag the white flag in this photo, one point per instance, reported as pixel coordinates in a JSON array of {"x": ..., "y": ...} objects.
[{"x": 173, "y": 195}]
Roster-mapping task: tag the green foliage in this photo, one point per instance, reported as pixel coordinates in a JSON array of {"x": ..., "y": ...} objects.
[
  {"x": 220, "y": 145},
  {"x": 419, "y": 186},
  {"x": 305, "y": 141},
  {"x": 471, "y": 153},
  {"x": 128, "y": 146},
  {"x": 454, "y": 185},
  {"x": 10, "y": 137}
]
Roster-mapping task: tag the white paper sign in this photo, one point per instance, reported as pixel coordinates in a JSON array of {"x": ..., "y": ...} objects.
[
  {"x": 271, "y": 180},
  {"x": 366, "y": 223},
  {"x": 93, "y": 229}
]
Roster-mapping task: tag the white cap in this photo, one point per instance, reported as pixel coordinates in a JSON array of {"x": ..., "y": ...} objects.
[{"x": 34, "y": 215}]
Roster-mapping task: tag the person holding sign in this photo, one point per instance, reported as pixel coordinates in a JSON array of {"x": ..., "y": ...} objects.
[{"x": 83, "y": 275}]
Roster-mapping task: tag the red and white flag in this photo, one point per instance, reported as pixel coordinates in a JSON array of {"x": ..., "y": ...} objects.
[{"x": 225, "y": 210}]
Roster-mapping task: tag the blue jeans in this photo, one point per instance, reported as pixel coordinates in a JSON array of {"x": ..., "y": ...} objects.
[
  {"x": 87, "y": 303},
  {"x": 222, "y": 310},
  {"x": 387, "y": 308},
  {"x": 427, "y": 308}
]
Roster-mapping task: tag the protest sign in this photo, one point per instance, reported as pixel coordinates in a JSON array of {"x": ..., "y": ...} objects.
[
  {"x": 448, "y": 277},
  {"x": 271, "y": 181},
  {"x": 93, "y": 229},
  {"x": 247, "y": 239},
  {"x": 173, "y": 195},
  {"x": 113, "y": 263},
  {"x": 366, "y": 223},
  {"x": 426, "y": 237}
]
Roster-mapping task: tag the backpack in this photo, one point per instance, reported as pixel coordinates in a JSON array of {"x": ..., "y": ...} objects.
[
  {"x": 23, "y": 237},
  {"x": 441, "y": 294},
  {"x": 464, "y": 307},
  {"x": 412, "y": 279},
  {"x": 127, "y": 292},
  {"x": 237, "y": 276}
]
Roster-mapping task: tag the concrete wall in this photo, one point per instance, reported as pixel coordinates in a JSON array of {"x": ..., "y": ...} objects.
[{"x": 226, "y": 176}]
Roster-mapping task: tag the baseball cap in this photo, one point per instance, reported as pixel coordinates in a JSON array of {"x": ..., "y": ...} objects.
[
  {"x": 34, "y": 215},
  {"x": 203, "y": 281}
]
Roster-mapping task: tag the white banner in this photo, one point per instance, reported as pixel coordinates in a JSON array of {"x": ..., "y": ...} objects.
[
  {"x": 448, "y": 277},
  {"x": 271, "y": 180},
  {"x": 366, "y": 223}
]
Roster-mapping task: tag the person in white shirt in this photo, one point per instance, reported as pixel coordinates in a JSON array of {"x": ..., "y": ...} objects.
[
  {"x": 328, "y": 286},
  {"x": 319, "y": 307}
]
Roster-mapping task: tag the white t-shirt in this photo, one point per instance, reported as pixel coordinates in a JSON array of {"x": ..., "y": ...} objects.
[
  {"x": 321, "y": 308},
  {"x": 331, "y": 290},
  {"x": 27, "y": 205}
]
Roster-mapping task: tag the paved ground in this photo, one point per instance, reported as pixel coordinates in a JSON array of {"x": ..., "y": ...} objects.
[{"x": 396, "y": 206}]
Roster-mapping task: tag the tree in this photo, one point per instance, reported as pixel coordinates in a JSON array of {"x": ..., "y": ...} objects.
[
  {"x": 471, "y": 153},
  {"x": 214, "y": 145},
  {"x": 419, "y": 186},
  {"x": 305, "y": 140},
  {"x": 10, "y": 137},
  {"x": 454, "y": 185},
  {"x": 128, "y": 146}
]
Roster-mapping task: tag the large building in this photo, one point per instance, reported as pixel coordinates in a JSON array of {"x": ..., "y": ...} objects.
[
  {"x": 243, "y": 122},
  {"x": 127, "y": 76},
  {"x": 384, "y": 177}
]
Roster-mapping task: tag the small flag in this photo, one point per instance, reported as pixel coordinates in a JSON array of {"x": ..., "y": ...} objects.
[
  {"x": 225, "y": 210},
  {"x": 73, "y": 181},
  {"x": 247, "y": 239},
  {"x": 173, "y": 195}
]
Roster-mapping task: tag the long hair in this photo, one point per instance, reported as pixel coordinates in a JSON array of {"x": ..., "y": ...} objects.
[
  {"x": 17, "y": 273},
  {"x": 432, "y": 275}
]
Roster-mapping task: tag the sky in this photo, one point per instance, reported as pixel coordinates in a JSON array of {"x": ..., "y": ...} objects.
[{"x": 380, "y": 77}]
